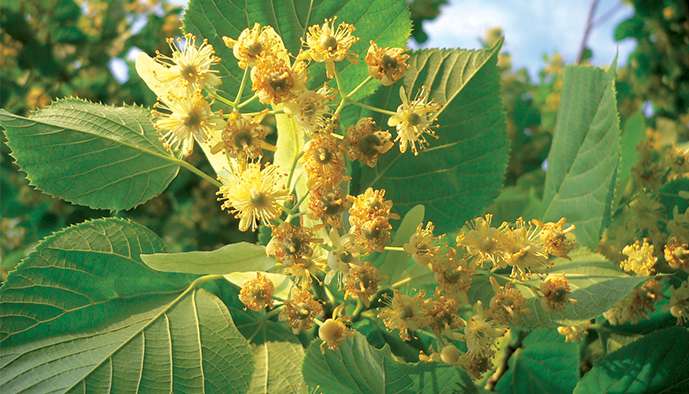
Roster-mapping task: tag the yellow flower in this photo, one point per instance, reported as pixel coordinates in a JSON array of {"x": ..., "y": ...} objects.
[
  {"x": 679, "y": 163},
  {"x": 556, "y": 290},
  {"x": 189, "y": 65},
  {"x": 678, "y": 227},
  {"x": 257, "y": 294},
  {"x": 406, "y": 313},
  {"x": 423, "y": 246},
  {"x": 453, "y": 274},
  {"x": 291, "y": 245},
  {"x": 275, "y": 81},
  {"x": 480, "y": 334},
  {"x": 243, "y": 136},
  {"x": 636, "y": 305},
  {"x": 557, "y": 240},
  {"x": 253, "y": 194},
  {"x": 386, "y": 64},
  {"x": 482, "y": 241},
  {"x": 677, "y": 254},
  {"x": 370, "y": 204},
  {"x": 369, "y": 218},
  {"x": 508, "y": 305},
  {"x": 640, "y": 258},
  {"x": 574, "y": 333},
  {"x": 256, "y": 42},
  {"x": 333, "y": 332},
  {"x": 328, "y": 204},
  {"x": 414, "y": 119},
  {"x": 523, "y": 250},
  {"x": 366, "y": 143},
  {"x": 679, "y": 303},
  {"x": 361, "y": 281},
  {"x": 444, "y": 314},
  {"x": 180, "y": 122},
  {"x": 309, "y": 108},
  {"x": 300, "y": 310},
  {"x": 324, "y": 161},
  {"x": 330, "y": 44}
]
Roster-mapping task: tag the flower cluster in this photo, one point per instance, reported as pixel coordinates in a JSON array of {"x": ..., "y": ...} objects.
[{"x": 331, "y": 244}]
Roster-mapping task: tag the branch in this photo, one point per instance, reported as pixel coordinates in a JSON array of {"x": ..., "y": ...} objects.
[{"x": 587, "y": 30}]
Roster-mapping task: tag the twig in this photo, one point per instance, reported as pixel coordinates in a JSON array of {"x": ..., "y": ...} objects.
[
  {"x": 504, "y": 365},
  {"x": 587, "y": 30}
]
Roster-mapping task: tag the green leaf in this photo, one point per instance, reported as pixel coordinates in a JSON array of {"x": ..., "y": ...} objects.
[
  {"x": 277, "y": 368},
  {"x": 656, "y": 363},
  {"x": 385, "y": 21},
  {"x": 91, "y": 154},
  {"x": 461, "y": 172},
  {"x": 584, "y": 156},
  {"x": 83, "y": 313},
  {"x": 544, "y": 363},
  {"x": 675, "y": 194},
  {"x": 633, "y": 134},
  {"x": 357, "y": 367},
  {"x": 596, "y": 285},
  {"x": 395, "y": 263},
  {"x": 237, "y": 257}
]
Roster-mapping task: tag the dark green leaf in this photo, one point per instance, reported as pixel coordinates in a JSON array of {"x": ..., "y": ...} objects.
[
  {"x": 656, "y": 363},
  {"x": 543, "y": 364},
  {"x": 633, "y": 133},
  {"x": 461, "y": 172}
]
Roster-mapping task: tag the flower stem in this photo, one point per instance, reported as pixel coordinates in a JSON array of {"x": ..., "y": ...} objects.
[
  {"x": 401, "y": 282},
  {"x": 242, "y": 84},
  {"x": 294, "y": 166},
  {"x": 394, "y": 248},
  {"x": 359, "y": 86},
  {"x": 198, "y": 172},
  {"x": 268, "y": 147},
  {"x": 224, "y": 100},
  {"x": 372, "y": 108},
  {"x": 247, "y": 101}
]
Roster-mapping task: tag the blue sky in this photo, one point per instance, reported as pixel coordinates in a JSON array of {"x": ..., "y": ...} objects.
[{"x": 532, "y": 28}]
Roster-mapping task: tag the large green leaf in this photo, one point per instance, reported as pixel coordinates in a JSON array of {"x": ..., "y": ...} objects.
[
  {"x": 357, "y": 367},
  {"x": 91, "y": 154},
  {"x": 237, "y": 257},
  {"x": 543, "y": 364},
  {"x": 277, "y": 368},
  {"x": 585, "y": 153},
  {"x": 83, "y": 313},
  {"x": 656, "y": 363},
  {"x": 462, "y": 171},
  {"x": 385, "y": 21},
  {"x": 596, "y": 285},
  {"x": 634, "y": 132}
]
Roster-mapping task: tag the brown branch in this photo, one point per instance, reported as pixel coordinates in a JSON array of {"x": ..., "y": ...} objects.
[
  {"x": 511, "y": 348},
  {"x": 587, "y": 30}
]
